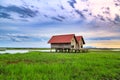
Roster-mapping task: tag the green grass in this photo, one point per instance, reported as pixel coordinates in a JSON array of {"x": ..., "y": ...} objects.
[{"x": 94, "y": 65}]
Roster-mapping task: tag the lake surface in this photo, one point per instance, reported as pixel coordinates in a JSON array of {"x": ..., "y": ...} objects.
[
  {"x": 21, "y": 51},
  {"x": 14, "y": 51}
]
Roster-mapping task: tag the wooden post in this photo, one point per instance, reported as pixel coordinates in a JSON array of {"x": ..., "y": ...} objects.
[
  {"x": 55, "y": 50},
  {"x": 75, "y": 50}
]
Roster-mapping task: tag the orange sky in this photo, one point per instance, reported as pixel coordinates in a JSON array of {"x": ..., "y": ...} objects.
[{"x": 105, "y": 44}]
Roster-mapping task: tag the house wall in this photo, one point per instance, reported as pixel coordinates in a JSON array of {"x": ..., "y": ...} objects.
[
  {"x": 61, "y": 45},
  {"x": 73, "y": 43},
  {"x": 80, "y": 44}
]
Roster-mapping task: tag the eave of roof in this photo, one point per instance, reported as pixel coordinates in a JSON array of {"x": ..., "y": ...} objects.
[
  {"x": 79, "y": 38},
  {"x": 61, "y": 38}
]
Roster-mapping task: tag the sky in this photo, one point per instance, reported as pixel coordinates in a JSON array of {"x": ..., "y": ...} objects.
[{"x": 31, "y": 23}]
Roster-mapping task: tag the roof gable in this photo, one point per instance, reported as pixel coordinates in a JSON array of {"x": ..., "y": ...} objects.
[
  {"x": 61, "y": 38},
  {"x": 80, "y": 38}
]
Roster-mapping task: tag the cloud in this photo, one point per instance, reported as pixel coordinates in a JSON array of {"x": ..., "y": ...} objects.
[
  {"x": 43, "y": 11},
  {"x": 17, "y": 37},
  {"x": 62, "y": 17},
  {"x": 105, "y": 38},
  {"x": 36, "y": 21},
  {"x": 13, "y": 37},
  {"x": 117, "y": 3},
  {"x": 117, "y": 18},
  {"x": 105, "y": 44},
  {"x": 80, "y": 14},
  {"x": 57, "y": 19},
  {"x": 5, "y": 15},
  {"x": 22, "y": 11},
  {"x": 100, "y": 35},
  {"x": 72, "y": 2}
]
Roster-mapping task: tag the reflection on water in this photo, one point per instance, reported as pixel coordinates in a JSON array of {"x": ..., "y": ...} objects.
[{"x": 21, "y": 51}]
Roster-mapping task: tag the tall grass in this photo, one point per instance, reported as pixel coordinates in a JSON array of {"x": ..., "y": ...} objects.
[{"x": 101, "y": 65}]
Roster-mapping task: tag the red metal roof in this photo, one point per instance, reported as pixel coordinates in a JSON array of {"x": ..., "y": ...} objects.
[
  {"x": 65, "y": 38},
  {"x": 80, "y": 38},
  {"x": 61, "y": 38}
]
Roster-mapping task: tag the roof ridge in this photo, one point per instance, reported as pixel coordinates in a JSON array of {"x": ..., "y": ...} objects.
[
  {"x": 64, "y": 35},
  {"x": 79, "y": 36}
]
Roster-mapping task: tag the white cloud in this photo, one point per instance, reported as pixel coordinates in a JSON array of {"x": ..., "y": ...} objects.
[{"x": 97, "y": 7}]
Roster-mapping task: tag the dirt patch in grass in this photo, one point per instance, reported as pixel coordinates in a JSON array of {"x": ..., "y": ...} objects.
[
  {"x": 13, "y": 62},
  {"x": 28, "y": 61}
]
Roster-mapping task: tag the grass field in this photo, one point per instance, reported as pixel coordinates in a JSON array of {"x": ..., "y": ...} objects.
[{"x": 94, "y": 65}]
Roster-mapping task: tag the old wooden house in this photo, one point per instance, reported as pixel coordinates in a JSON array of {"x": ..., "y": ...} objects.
[{"x": 66, "y": 42}]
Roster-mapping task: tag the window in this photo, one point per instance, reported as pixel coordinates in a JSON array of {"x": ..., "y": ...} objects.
[{"x": 72, "y": 46}]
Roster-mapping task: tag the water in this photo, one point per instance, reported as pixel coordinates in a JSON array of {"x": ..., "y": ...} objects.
[
  {"x": 21, "y": 51},
  {"x": 43, "y": 50},
  {"x": 14, "y": 51}
]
